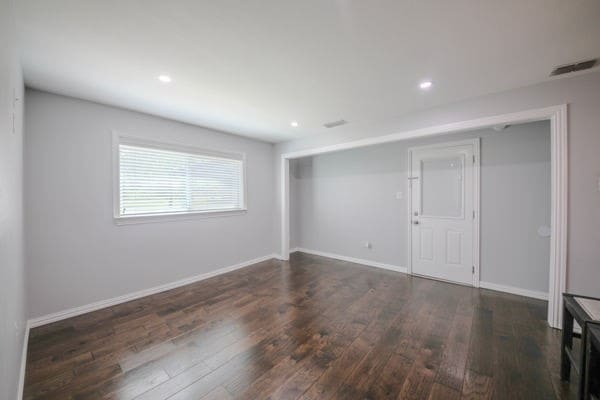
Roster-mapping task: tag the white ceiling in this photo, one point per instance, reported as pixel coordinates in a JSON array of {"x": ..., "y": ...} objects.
[{"x": 252, "y": 66}]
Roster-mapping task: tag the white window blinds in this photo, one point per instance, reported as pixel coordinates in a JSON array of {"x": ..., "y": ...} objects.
[{"x": 154, "y": 180}]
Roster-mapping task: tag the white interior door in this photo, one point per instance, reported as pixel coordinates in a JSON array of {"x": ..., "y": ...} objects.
[{"x": 443, "y": 212}]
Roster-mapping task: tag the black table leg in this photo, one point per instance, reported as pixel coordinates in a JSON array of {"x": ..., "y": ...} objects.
[
  {"x": 582, "y": 363},
  {"x": 591, "y": 370},
  {"x": 567, "y": 341}
]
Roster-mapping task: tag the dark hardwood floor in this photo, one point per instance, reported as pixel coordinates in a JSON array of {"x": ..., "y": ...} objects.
[{"x": 313, "y": 328}]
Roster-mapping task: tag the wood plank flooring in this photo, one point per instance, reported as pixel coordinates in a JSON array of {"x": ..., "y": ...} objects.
[{"x": 313, "y": 328}]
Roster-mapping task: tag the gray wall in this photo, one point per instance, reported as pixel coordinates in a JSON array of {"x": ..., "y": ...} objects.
[
  {"x": 76, "y": 254},
  {"x": 581, "y": 93},
  {"x": 343, "y": 199},
  {"x": 12, "y": 275}
]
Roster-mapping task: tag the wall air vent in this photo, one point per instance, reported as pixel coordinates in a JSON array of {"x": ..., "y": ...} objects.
[
  {"x": 579, "y": 66},
  {"x": 333, "y": 124}
]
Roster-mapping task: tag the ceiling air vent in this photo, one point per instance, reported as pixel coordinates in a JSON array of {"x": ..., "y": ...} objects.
[
  {"x": 333, "y": 124},
  {"x": 580, "y": 66}
]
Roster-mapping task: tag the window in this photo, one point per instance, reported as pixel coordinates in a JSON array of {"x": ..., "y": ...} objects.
[{"x": 161, "y": 179}]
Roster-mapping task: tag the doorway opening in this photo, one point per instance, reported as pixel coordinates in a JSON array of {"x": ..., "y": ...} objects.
[{"x": 558, "y": 194}]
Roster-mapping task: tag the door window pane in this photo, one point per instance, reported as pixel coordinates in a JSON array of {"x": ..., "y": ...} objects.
[{"x": 442, "y": 187}]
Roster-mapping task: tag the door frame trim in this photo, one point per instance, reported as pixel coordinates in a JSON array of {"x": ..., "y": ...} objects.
[
  {"x": 557, "y": 115},
  {"x": 476, "y": 143}
]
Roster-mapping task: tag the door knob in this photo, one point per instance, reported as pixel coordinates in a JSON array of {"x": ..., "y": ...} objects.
[{"x": 415, "y": 222}]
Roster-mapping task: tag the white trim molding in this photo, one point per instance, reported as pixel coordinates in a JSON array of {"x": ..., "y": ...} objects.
[
  {"x": 558, "y": 220},
  {"x": 22, "y": 370},
  {"x": 539, "y": 114},
  {"x": 557, "y": 115},
  {"x": 285, "y": 210},
  {"x": 369, "y": 263},
  {"x": 514, "y": 290},
  {"x": 73, "y": 312}
]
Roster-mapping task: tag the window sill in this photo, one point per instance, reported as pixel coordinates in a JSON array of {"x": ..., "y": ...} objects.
[{"x": 153, "y": 218}]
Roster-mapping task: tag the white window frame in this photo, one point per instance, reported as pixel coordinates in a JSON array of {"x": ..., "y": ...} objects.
[{"x": 121, "y": 138}]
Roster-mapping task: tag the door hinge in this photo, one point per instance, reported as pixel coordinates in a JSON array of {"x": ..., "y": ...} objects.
[
  {"x": 473, "y": 270},
  {"x": 473, "y": 158},
  {"x": 473, "y": 214}
]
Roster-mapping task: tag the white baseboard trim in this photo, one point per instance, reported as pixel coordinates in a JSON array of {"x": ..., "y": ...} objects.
[
  {"x": 73, "y": 312},
  {"x": 351, "y": 259},
  {"x": 23, "y": 362},
  {"x": 514, "y": 290}
]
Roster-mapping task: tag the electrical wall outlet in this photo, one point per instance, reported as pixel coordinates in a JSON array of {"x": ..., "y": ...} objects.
[{"x": 368, "y": 245}]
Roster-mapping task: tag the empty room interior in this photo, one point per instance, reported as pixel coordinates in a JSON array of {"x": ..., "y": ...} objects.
[{"x": 217, "y": 200}]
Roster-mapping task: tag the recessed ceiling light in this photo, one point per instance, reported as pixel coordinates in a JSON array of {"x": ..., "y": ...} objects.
[
  {"x": 294, "y": 124},
  {"x": 164, "y": 78},
  {"x": 425, "y": 84}
]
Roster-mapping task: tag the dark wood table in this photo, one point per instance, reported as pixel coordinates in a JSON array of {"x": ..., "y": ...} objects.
[
  {"x": 570, "y": 358},
  {"x": 591, "y": 385}
]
